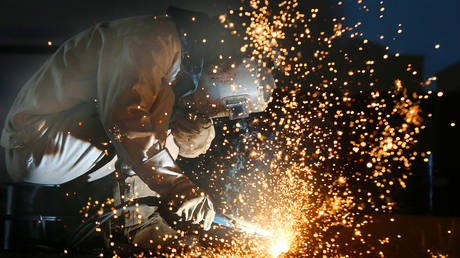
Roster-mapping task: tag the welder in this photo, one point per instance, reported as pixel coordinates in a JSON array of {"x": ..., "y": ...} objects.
[{"x": 131, "y": 95}]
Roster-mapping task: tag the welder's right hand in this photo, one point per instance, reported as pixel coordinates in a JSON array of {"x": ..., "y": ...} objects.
[{"x": 191, "y": 204}]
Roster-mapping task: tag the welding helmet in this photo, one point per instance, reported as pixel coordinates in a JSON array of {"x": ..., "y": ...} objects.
[{"x": 233, "y": 89}]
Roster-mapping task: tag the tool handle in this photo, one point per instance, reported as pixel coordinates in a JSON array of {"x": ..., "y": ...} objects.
[{"x": 223, "y": 221}]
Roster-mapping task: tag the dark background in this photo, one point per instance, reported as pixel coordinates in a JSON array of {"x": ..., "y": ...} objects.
[{"x": 27, "y": 26}]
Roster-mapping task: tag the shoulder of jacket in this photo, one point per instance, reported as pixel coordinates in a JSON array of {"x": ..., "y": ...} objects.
[{"x": 161, "y": 24}]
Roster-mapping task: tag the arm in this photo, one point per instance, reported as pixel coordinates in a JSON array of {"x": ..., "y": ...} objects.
[
  {"x": 135, "y": 106},
  {"x": 135, "y": 100}
]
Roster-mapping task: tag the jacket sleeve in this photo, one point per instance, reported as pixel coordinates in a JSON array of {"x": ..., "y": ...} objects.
[{"x": 135, "y": 100}]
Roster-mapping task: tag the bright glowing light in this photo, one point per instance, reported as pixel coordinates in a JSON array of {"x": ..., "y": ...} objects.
[
  {"x": 282, "y": 246},
  {"x": 281, "y": 243}
]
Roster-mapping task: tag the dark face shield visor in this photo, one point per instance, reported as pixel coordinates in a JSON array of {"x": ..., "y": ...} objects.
[{"x": 237, "y": 106}]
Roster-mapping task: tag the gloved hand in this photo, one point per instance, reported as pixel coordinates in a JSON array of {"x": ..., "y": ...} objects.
[{"x": 188, "y": 202}]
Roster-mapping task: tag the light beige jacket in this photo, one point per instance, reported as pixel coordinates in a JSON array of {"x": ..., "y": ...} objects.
[{"x": 124, "y": 70}]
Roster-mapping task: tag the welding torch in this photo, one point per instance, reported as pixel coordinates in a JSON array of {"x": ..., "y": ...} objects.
[
  {"x": 227, "y": 221},
  {"x": 241, "y": 225}
]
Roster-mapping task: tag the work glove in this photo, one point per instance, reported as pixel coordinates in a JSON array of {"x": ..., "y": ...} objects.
[
  {"x": 187, "y": 201},
  {"x": 192, "y": 134}
]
